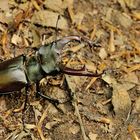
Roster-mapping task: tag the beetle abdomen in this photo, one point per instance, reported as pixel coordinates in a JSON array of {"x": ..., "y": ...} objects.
[{"x": 12, "y": 75}]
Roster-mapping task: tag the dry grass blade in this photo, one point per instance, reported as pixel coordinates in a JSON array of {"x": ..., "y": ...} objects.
[
  {"x": 136, "y": 14},
  {"x": 91, "y": 82},
  {"x": 39, "y": 125},
  {"x": 79, "y": 118},
  {"x": 132, "y": 132},
  {"x": 4, "y": 41},
  {"x": 111, "y": 46},
  {"x": 106, "y": 102},
  {"x": 35, "y": 4},
  {"x": 136, "y": 46},
  {"x": 93, "y": 33},
  {"x": 134, "y": 68},
  {"x": 77, "y": 48},
  {"x": 19, "y": 109},
  {"x": 71, "y": 13},
  {"x": 10, "y": 135},
  {"x": 72, "y": 87}
]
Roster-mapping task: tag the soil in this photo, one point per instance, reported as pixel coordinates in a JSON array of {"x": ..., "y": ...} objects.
[{"x": 103, "y": 107}]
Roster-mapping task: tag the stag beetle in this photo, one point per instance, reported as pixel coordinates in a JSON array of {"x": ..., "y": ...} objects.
[{"x": 21, "y": 71}]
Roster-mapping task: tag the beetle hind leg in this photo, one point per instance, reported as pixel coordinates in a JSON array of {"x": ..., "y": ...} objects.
[{"x": 25, "y": 105}]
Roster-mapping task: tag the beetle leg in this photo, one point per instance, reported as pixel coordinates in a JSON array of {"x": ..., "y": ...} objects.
[
  {"x": 25, "y": 105},
  {"x": 79, "y": 72},
  {"x": 55, "y": 102},
  {"x": 6, "y": 93}
]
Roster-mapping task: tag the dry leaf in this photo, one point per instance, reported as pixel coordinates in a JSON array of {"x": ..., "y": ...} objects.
[
  {"x": 119, "y": 39},
  {"x": 99, "y": 33},
  {"x": 131, "y": 77},
  {"x": 75, "y": 82},
  {"x": 60, "y": 93},
  {"x": 121, "y": 101},
  {"x": 78, "y": 18},
  {"x": 49, "y": 19},
  {"x": 132, "y": 4},
  {"x": 56, "y": 5},
  {"x": 90, "y": 66},
  {"x": 49, "y": 125},
  {"x": 21, "y": 135},
  {"x": 128, "y": 85},
  {"x": 111, "y": 46},
  {"x": 4, "y": 5},
  {"x": 109, "y": 79},
  {"x": 74, "y": 129},
  {"x": 16, "y": 39},
  {"x": 130, "y": 80},
  {"x": 37, "y": 114},
  {"x": 136, "y": 45},
  {"x": 70, "y": 82},
  {"x": 92, "y": 136},
  {"x": 75, "y": 18},
  {"x": 122, "y": 19},
  {"x": 136, "y": 14},
  {"x": 52, "y": 110},
  {"x": 103, "y": 53},
  {"x": 102, "y": 67},
  {"x": 123, "y": 4},
  {"x": 108, "y": 14},
  {"x": 36, "y": 38},
  {"x": 30, "y": 126},
  {"x": 137, "y": 106}
]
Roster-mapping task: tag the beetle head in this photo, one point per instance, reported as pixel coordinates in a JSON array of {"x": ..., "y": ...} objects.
[{"x": 49, "y": 54}]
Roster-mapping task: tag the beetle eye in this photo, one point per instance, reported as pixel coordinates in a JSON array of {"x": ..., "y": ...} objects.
[{"x": 58, "y": 53}]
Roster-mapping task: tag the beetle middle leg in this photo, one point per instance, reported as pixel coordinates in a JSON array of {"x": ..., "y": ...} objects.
[{"x": 55, "y": 102}]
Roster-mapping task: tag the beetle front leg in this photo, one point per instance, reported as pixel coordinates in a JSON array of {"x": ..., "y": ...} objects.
[{"x": 55, "y": 102}]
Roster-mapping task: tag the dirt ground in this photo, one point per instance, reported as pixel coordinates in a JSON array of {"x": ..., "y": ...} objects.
[{"x": 106, "y": 107}]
